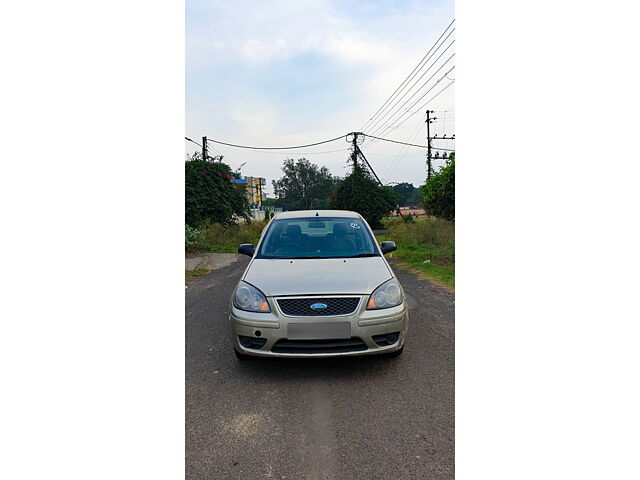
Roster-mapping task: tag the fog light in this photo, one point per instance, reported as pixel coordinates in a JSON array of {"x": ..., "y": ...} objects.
[
  {"x": 252, "y": 342},
  {"x": 393, "y": 338},
  {"x": 386, "y": 339}
]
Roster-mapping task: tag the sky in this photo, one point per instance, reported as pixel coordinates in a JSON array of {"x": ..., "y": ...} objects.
[{"x": 280, "y": 73}]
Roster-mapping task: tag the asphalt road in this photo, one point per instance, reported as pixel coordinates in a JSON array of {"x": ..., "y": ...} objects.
[{"x": 350, "y": 418}]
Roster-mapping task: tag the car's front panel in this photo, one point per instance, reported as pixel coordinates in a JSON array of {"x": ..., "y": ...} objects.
[{"x": 318, "y": 326}]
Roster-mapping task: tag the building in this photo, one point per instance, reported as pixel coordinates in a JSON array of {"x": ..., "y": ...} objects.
[{"x": 253, "y": 189}]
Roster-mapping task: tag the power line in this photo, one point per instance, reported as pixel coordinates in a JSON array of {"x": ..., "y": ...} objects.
[
  {"x": 395, "y": 141},
  {"x": 382, "y": 129},
  {"x": 422, "y": 106},
  {"x": 409, "y": 77},
  {"x": 382, "y": 117},
  {"x": 402, "y": 153},
  {"x": 276, "y": 148},
  {"x": 304, "y": 153}
]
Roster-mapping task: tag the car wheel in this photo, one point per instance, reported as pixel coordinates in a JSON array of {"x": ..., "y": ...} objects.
[
  {"x": 242, "y": 357},
  {"x": 396, "y": 353}
]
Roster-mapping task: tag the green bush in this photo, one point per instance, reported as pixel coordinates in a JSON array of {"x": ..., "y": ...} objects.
[
  {"x": 191, "y": 236},
  {"x": 360, "y": 193},
  {"x": 427, "y": 244},
  {"x": 439, "y": 193},
  {"x": 434, "y": 231},
  {"x": 215, "y": 237},
  {"x": 210, "y": 195}
]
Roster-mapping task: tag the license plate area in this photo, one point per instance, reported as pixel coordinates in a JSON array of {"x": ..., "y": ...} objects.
[{"x": 318, "y": 331}]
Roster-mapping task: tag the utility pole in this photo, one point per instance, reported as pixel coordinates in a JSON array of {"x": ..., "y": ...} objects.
[
  {"x": 357, "y": 151},
  {"x": 354, "y": 158},
  {"x": 428, "y": 122},
  {"x": 204, "y": 148},
  {"x": 354, "y": 154}
]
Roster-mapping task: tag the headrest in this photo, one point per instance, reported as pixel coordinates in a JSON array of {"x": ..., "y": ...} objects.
[
  {"x": 294, "y": 231},
  {"x": 339, "y": 229}
]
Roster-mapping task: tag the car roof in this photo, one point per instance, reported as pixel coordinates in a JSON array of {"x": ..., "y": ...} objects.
[{"x": 317, "y": 213}]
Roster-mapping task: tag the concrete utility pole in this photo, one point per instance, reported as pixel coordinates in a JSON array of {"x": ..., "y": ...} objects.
[
  {"x": 357, "y": 151},
  {"x": 205, "y": 154},
  {"x": 428, "y": 122},
  {"x": 354, "y": 153}
]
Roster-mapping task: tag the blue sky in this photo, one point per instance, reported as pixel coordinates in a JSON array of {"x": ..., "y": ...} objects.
[{"x": 287, "y": 73}]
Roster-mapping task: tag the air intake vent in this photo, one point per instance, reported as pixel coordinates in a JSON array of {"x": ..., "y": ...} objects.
[{"x": 318, "y": 307}]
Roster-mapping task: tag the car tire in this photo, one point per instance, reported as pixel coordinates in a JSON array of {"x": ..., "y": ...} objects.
[
  {"x": 242, "y": 357},
  {"x": 396, "y": 353}
]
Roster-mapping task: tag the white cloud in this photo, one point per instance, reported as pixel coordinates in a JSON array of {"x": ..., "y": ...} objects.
[{"x": 377, "y": 52}]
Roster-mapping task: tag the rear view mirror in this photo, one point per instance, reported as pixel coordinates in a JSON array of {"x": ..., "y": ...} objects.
[
  {"x": 387, "y": 247},
  {"x": 246, "y": 249}
]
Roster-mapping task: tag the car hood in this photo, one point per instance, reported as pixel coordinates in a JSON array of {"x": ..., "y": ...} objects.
[{"x": 279, "y": 277}]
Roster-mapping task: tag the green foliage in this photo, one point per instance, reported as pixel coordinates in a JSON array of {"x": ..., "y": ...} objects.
[
  {"x": 408, "y": 218},
  {"x": 426, "y": 244},
  {"x": 191, "y": 236},
  {"x": 269, "y": 202},
  {"x": 406, "y": 192},
  {"x": 438, "y": 194},
  {"x": 361, "y": 193},
  {"x": 210, "y": 194},
  {"x": 215, "y": 237},
  {"x": 303, "y": 186}
]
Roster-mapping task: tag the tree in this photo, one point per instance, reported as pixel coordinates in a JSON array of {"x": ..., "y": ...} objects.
[
  {"x": 210, "y": 194},
  {"x": 269, "y": 202},
  {"x": 439, "y": 193},
  {"x": 406, "y": 192},
  {"x": 303, "y": 186},
  {"x": 359, "y": 192}
]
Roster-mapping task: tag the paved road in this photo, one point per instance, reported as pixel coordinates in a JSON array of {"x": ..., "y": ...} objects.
[{"x": 368, "y": 417}]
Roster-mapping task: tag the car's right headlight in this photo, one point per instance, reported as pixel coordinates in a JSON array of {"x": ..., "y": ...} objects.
[
  {"x": 249, "y": 298},
  {"x": 387, "y": 295}
]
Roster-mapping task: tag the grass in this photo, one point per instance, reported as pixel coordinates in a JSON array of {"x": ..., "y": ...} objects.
[
  {"x": 220, "y": 239},
  {"x": 426, "y": 246},
  {"x": 191, "y": 274}
]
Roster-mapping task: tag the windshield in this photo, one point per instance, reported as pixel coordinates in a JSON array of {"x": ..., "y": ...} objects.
[{"x": 317, "y": 237}]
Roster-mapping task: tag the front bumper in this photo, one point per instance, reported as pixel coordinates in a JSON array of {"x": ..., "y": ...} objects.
[{"x": 273, "y": 327}]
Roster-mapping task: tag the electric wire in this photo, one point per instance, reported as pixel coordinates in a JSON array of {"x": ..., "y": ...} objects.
[
  {"x": 382, "y": 128},
  {"x": 275, "y": 148},
  {"x": 419, "y": 109},
  {"x": 303, "y": 153},
  {"x": 410, "y": 76},
  {"x": 393, "y": 113}
]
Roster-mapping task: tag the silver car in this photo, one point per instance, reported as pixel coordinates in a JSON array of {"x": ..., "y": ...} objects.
[{"x": 318, "y": 285}]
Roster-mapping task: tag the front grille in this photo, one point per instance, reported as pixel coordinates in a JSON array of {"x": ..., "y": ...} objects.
[
  {"x": 353, "y": 344},
  {"x": 301, "y": 307}
]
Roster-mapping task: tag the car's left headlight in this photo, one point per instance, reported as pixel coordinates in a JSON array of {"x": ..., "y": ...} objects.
[
  {"x": 249, "y": 298},
  {"x": 387, "y": 295}
]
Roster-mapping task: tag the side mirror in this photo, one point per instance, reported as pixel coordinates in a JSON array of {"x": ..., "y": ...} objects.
[
  {"x": 246, "y": 249},
  {"x": 387, "y": 247}
]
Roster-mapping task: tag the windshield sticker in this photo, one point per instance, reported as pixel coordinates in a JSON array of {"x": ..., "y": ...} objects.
[{"x": 354, "y": 225}]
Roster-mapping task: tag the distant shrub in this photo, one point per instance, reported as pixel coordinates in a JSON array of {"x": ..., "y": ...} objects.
[
  {"x": 433, "y": 231},
  {"x": 190, "y": 236},
  {"x": 215, "y": 237}
]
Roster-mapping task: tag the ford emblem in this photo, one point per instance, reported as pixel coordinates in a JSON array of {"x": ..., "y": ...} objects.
[{"x": 318, "y": 306}]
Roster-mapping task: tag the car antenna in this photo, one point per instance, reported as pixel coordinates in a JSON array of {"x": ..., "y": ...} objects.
[{"x": 317, "y": 214}]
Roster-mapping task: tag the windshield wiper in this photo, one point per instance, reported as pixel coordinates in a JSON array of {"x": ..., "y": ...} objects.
[{"x": 363, "y": 255}]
